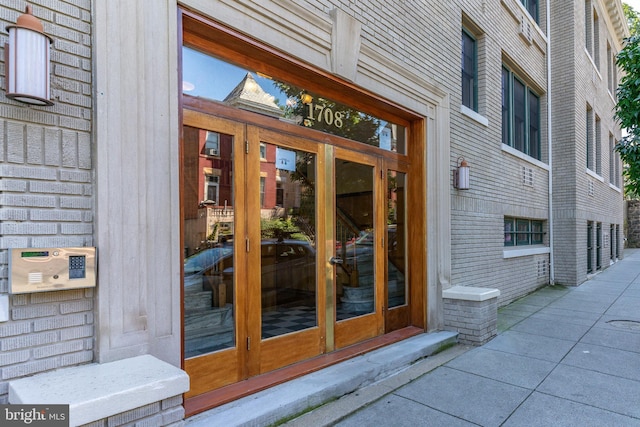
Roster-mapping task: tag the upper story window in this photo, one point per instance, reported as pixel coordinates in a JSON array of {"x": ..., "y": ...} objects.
[
  {"x": 612, "y": 71},
  {"x": 598, "y": 146},
  {"x": 589, "y": 139},
  {"x": 592, "y": 32},
  {"x": 588, "y": 27},
  {"x": 469, "y": 71},
  {"x": 520, "y": 115},
  {"x": 212, "y": 144},
  {"x": 532, "y": 8}
]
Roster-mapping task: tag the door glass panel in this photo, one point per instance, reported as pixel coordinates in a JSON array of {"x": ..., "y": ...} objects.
[
  {"x": 288, "y": 240},
  {"x": 396, "y": 239},
  {"x": 355, "y": 239},
  {"x": 208, "y": 226}
]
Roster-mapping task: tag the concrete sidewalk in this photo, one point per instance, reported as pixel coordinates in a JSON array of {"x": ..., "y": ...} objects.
[{"x": 563, "y": 357}]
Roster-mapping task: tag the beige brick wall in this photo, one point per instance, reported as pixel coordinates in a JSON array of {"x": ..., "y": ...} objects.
[{"x": 580, "y": 196}]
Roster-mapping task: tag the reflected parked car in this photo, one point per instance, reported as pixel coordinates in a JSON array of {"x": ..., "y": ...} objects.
[
  {"x": 288, "y": 269},
  {"x": 197, "y": 264}
]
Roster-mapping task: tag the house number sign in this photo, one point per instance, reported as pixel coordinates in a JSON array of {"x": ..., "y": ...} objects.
[{"x": 322, "y": 114}]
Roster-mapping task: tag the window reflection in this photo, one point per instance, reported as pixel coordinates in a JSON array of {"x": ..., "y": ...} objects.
[
  {"x": 207, "y": 199},
  {"x": 355, "y": 239},
  {"x": 288, "y": 234},
  {"x": 396, "y": 239},
  {"x": 208, "y": 77}
]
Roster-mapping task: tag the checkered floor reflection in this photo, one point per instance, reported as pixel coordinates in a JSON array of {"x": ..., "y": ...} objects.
[{"x": 287, "y": 320}]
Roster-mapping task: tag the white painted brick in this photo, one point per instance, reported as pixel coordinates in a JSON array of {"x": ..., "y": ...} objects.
[
  {"x": 77, "y": 358},
  {"x": 57, "y": 349},
  {"x": 58, "y": 322},
  {"x": 25, "y": 200},
  {"x": 57, "y": 242},
  {"x": 75, "y": 202},
  {"x": 13, "y": 242},
  {"x": 76, "y": 228},
  {"x": 14, "y": 328},
  {"x": 18, "y": 300},
  {"x": 58, "y": 216},
  {"x": 33, "y": 311},
  {"x": 75, "y": 176},
  {"x": 76, "y": 306},
  {"x": 136, "y": 414},
  {"x": 15, "y": 171},
  {"x": 29, "y": 368},
  {"x": 75, "y": 333},
  {"x": 25, "y": 341},
  {"x": 28, "y": 228},
  {"x": 55, "y": 187},
  {"x": 13, "y": 185},
  {"x": 13, "y": 357},
  {"x": 8, "y": 214}
]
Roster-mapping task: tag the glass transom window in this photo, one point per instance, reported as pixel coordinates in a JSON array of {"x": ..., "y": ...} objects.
[{"x": 209, "y": 77}]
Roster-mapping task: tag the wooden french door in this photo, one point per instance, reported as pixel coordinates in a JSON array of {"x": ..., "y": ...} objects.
[
  {"x": 286, "y": 295},
  {"x": 254, "y": 285},
  {"x": 293, "y": 248},
  {"x": 358, "y": 209}
]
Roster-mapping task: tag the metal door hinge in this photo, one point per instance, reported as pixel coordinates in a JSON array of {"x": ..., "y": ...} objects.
[{"x": 248, "y": 343}]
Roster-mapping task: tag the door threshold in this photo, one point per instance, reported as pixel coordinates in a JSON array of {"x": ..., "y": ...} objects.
[{"x": 196, "y": 404}]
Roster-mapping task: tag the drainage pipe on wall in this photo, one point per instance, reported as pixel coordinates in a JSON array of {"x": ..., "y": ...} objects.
[{"x": 549, "y": 146}]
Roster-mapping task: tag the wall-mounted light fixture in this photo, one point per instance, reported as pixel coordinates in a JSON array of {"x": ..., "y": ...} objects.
[
  {"x": 461, "y": 175},
  {"x": 27, "y": 61}
]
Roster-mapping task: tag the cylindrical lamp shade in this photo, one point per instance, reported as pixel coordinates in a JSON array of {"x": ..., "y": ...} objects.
[
  {"x": 27, "y": 62},
  {"x": 463, "y": 177}
]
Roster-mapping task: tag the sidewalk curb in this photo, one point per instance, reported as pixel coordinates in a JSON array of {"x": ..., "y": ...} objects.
[{"x": 333, "y": 412}]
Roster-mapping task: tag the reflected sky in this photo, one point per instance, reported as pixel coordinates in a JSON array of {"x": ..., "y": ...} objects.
[{"x": 209, "y": 77}]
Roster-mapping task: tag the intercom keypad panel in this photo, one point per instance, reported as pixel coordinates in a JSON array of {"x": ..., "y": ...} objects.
[{"x": 51, "y": 269}]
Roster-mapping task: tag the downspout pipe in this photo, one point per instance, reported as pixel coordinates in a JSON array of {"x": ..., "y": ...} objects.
[{"x": 552, "y": 275}]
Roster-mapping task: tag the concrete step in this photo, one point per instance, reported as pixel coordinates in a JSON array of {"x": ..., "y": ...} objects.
[{"x": 299, "y": 395}]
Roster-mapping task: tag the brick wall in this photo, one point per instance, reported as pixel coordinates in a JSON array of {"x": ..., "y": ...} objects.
[
  {"x": 581, "y": 196},
  {"x": 475, "y": 321},
  {"x": 46, "y": 194},
  {"x": 168, "y": 412}
]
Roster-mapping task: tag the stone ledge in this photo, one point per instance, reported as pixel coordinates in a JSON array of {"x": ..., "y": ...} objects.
[
  {"x": 100, "y": 390},
  {"x": 470, "y": 293}
]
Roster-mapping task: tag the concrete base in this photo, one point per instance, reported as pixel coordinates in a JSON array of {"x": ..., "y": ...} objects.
[
  {"x": 99, "y": 391},
  {"x": 472, "y": 312},
  {"x": 297, "y": 396}
]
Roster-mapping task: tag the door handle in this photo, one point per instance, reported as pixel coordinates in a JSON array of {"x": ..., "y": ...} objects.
[{"x": 335, "y": 260}]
